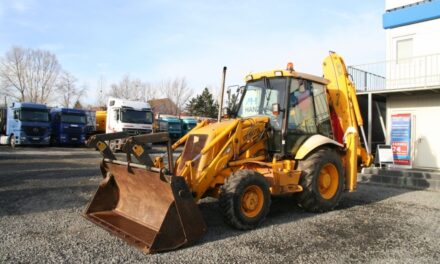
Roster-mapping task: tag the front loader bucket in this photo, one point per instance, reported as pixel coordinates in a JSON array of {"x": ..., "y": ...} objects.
[{"x": 144, "y": 209}]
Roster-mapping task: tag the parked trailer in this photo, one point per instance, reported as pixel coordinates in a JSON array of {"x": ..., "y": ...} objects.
[
  {"x": 25, "y": 124},
  {"x": 68, "y": 126},
  {"x": 100, "y": 119}
]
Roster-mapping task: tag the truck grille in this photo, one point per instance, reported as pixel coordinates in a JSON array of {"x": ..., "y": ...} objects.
[
  {"x": 175, "y": 127},
  {"x": 73, "y": 130},
  {"x": 134, "y": 131},
  {"x": 34, "y": 131}
]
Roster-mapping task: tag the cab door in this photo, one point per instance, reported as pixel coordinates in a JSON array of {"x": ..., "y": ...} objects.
[{"x": 308, "y": 113}]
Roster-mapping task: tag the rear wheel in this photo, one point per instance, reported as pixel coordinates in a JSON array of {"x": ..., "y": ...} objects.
[
  {"x": 245, "y": 199},
  {"x": 322, "y": 179},
  {"x": 52, "y": 141},
  {"x": 12, "y": 142}
]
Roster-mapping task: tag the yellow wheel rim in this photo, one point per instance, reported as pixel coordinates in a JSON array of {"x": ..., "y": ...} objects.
[
  {"x": 252, "y": 201},
  {"x": 328, "y": 181}
]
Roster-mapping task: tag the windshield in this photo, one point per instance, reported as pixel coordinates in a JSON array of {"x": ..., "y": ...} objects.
[
  {"x": 260, "y": 96},
  {"x": 73, "y": 118},
  {"x": 34, "y": 115},
  {"x": 138, "y": 117}
]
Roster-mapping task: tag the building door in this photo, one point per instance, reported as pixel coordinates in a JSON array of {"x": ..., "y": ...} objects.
[{"x": 426, "y": 140}]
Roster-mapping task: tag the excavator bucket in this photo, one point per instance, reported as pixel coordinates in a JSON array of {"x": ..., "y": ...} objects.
[{"x": 144, "y": 207}]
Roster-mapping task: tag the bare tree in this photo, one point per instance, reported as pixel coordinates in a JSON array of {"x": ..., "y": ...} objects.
[
  {"x": 29, "y": 75},
  {"x": 127, "y": 88},
  {"x": 101, "y": 97},
  {"x": 68, "y": 91},
  {"x": 178, "y": 92},
  {"x": 151, "y": 92},
  {"x": 133, "y": 89}
]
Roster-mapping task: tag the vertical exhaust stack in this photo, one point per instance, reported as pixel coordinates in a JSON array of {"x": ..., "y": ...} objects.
[{"x": 220, "y": 105}]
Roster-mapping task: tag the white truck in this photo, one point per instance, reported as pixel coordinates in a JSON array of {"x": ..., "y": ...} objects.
[{"x": 133, "y": 117}]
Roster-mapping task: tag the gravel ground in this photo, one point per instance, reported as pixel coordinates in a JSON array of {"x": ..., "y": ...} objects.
[{"x": 43, "y": 192}]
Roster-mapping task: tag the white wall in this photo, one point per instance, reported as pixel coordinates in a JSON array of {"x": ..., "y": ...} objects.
[
  {"x": 425, "y": 128},
  {"x": 391, "y": 4},
  {"x": 425, "y": 35},
  {"x": 423, "y": 68}
]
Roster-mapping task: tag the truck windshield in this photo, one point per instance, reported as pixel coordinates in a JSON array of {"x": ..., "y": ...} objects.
[
  {"x": 138, "y": 117},
  {"x": 260, "y": 96},
  {"x": 73, "y": 118},
  {"x": 35, "y": 115}
]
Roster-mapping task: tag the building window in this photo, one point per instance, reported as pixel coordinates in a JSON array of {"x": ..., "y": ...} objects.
[{"x": 404, "y": 50}]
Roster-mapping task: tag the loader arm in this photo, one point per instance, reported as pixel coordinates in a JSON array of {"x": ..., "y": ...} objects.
[
  {"x": 343, "y": 101},
  {"x": 225, "y": 142}
]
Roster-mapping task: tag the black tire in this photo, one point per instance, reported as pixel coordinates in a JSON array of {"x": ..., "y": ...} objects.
[
  {"x": 12, "y": 142},
  {"x": 52, "y": 141},
  {"x": 312, "y": 197},
  {"x": 239, "y": 184}
]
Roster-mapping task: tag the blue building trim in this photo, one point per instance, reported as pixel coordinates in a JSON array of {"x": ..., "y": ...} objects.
[{"x": 412, "y": 14}]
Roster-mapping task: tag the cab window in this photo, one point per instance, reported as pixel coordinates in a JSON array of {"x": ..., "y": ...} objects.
[{"x": 301, "y": 110}]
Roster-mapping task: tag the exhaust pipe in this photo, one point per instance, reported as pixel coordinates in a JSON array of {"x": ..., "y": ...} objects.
[{"x": 220, "y": 105}]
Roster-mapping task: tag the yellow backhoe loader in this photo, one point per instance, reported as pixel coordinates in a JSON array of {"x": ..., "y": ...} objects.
[{"x": 293, "y": 133}]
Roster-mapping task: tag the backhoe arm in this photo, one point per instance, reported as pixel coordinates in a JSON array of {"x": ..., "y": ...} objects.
[{"x": 344, "y": 102}]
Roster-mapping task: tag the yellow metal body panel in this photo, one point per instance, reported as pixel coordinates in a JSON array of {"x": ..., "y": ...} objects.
[
  {"x": 285, "y": 73},
  {"x": 342, "y": 97},
  {"x": 314, "y": 142},
  {"x": 213, "y": 152}
]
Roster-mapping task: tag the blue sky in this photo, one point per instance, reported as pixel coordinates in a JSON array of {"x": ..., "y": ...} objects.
[{"x": 161, "y": 39}]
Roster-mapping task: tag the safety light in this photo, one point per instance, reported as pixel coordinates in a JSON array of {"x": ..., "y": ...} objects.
[{"x": 290, "y": 67}]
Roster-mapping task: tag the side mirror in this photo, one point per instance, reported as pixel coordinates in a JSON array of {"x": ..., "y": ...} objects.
[
  {"x": 116, "y": 115},
  {"x": 276, "y": 109},
  {"x": 15, "y": 114}
]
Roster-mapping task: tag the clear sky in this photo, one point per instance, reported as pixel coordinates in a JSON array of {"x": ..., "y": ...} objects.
[{"x": 159, "y": 39}]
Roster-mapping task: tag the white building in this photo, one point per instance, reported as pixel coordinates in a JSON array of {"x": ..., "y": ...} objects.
[{"x": 406, "y": 87}]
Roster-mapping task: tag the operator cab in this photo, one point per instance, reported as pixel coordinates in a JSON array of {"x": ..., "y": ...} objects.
[{"x": 295, "y": 102}]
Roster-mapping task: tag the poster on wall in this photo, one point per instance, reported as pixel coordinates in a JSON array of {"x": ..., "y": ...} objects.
[{"x": 401, "y": 138}]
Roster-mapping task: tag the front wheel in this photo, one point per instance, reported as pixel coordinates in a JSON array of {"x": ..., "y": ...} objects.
[
  {"x": 245, "y": 199},
  {"x": 322, "y": 179}
]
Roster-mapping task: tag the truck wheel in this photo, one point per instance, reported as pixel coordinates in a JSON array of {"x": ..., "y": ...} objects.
[
  {"x": 245, "y": 199},
  {"x": 322, "y": 180},
  {"x": 112, "y": 146},
  {"x": 12, "y": 141},
  {"x": 52, "y": 141}
]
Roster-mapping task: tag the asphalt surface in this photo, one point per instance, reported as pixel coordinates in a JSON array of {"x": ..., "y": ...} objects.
[{"x": 43, "y": 192}]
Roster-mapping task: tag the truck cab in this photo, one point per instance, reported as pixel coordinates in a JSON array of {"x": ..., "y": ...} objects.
[
  {"x": 133, "y": 117},
  {"x": 188, "y": 123},
  {"x": 90, "y": 122},
  {"x": 26, "y": 124},
  {"x": 68, "y": 126},
  {"x": 171, "y": 124}
]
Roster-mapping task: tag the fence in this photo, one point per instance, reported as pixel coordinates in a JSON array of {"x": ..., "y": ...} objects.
[{"x": 409, "y": 73}]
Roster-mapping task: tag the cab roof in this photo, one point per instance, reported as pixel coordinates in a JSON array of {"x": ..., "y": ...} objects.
[{"x": 285, "y": 73}]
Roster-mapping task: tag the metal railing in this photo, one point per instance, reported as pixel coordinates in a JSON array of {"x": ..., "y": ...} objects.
[{"x": 409, "y": 73}]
